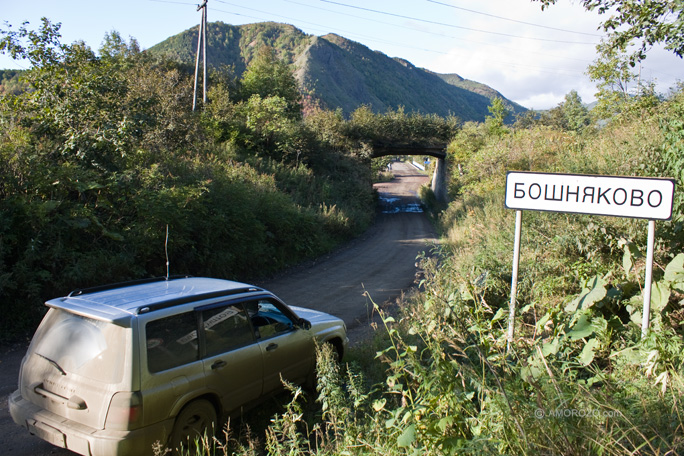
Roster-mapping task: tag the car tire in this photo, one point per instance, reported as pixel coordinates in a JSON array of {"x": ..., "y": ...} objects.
[{"x": 196, "y": 420}]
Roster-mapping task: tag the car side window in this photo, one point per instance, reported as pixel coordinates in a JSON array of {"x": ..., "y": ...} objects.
[
  {"x": 268, "y": 320},
  {"x": 171, "y": 341},
  {"x": 226, "y": 328}
]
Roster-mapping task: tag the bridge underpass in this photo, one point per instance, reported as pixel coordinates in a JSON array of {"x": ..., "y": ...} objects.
[{"x": 439, "y": 177}]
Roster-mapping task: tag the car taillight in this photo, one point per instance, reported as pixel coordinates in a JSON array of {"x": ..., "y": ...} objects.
[{"x": 125, "y": 411}]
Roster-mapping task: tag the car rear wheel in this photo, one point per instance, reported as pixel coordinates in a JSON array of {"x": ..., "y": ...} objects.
[{"x": 197, "y": 420}]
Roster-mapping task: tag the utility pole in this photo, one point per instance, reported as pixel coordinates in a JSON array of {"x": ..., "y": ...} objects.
[{"x": 201, "y": 47}]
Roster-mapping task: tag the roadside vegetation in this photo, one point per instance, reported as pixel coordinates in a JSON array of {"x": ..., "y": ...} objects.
[
  {"x": 578, "y": 379},
  {"x": 437, "y": 378},
  {"x": 108, "y": 173}
]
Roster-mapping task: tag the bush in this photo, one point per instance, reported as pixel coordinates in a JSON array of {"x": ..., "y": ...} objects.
[{"x": 103, "y": 156}]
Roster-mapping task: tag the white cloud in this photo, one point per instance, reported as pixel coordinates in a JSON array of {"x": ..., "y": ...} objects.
[{"x": 532, "y": 65}]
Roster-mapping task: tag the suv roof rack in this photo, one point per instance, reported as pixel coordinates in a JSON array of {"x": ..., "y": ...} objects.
[
  {"x": 197, "y": 297},
  {"x": 113, "y": 286}
]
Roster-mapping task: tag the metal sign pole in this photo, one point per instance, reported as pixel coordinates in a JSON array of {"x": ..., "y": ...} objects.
[
  {"x": 514, "y": 280},
  {"x": 645, "y": 318}
]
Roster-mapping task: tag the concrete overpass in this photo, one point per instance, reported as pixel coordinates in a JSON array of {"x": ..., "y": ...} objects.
[{"x": 439, "y": 177}]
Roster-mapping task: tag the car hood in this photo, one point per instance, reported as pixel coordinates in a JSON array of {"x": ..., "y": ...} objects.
[{"x": 314, "y": 316}]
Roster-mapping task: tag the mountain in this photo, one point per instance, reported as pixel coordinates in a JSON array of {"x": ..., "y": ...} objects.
[{"x": 335, "y": 72}]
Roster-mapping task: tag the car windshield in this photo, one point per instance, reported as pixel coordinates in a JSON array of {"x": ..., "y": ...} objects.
[{"x": 78, "y": 345}]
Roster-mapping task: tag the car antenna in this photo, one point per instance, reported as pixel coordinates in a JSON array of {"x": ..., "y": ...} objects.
[{"x": 166, "y": 251}]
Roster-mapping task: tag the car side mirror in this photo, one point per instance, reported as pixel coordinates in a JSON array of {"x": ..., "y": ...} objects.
[{"x": 304, "y": 324}]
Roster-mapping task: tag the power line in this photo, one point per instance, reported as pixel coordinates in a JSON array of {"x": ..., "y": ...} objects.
[
  {"x": 170, "y": 1},
  {"x": 513, "y": 20},
  {"x": 552, "y": 70},
  {"x": 320, "y": 27},
  {"x": 427, "y": 32},
  {"x": 452, "y": 25}
]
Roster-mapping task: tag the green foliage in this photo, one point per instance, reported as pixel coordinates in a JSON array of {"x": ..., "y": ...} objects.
[
  {"x": 286, "y": 40},
  {"x": 11, "y": 82},
  {"x": 614, "y": 77},
  {"x": 485, "y": 90},
  {"x": 570, "y": 115},
  {"x": 103, "y": 154},
  {"x": 267, "y": 76},
  {"x": 497, "y": 113},
  {"x": 396, "y": 126},
  {"x": 644, "y": 22},
  {"x": 670, "y": 160},
  {"x": 115, "y": 47},
  {"x": 633, "y": 27},
  {"x": 620, "y": 90}
]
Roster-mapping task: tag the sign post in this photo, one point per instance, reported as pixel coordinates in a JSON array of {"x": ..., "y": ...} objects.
[
  {"x": 514, "y": 280},
  {"x": 645, "y": 321},
  {"x": 633, "y": 197}
]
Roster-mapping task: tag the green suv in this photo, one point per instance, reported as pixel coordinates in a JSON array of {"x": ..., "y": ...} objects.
[{"x": 112, "y": 370}]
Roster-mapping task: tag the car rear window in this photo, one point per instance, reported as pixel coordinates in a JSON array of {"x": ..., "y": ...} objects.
[
  {"x": 172, "y": 342},
  {"x": 78, "y": 345}
]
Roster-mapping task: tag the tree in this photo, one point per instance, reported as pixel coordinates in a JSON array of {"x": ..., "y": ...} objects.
[
  {"x": 267, "y": 76},
  {"x": 646, "y": 22},
  {"x": 640, "y": 23},
  {"x": 114, "y": 46},
  {"x": 614, "y": 79},
  {"x": 498, "y": 112},
  {"x": 620, "y": 88},
  {"x": 571, "y": 114},
  {"x": 44, "y": 47}
]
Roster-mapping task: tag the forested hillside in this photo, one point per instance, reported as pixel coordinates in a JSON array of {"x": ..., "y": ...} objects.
[{"x": 334, "y": 72}]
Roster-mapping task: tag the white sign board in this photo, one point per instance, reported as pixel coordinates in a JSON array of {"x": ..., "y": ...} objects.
[{"x": 635, "y": 197}]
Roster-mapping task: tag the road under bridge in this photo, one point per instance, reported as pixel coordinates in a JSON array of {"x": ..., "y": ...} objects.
[{"x": 439, "y": 177}]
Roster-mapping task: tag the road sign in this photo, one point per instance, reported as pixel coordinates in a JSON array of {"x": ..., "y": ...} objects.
[{"x": 635, "y": 197}]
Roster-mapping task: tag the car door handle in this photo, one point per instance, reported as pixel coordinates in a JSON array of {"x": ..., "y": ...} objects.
[
  {"x": 218, "y": 364},
  {"x": 271, "y": 347}
]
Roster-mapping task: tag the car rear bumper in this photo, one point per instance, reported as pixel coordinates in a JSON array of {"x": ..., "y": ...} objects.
[{"x": 83, "y": 439}]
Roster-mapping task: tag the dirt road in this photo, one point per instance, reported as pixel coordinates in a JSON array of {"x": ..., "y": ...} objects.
[{"x": 379, "y": 266}]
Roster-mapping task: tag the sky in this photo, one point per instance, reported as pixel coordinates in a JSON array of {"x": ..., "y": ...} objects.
[{"x": 530, "y": 56}]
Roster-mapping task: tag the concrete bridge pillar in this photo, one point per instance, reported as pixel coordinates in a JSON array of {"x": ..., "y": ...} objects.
[{"x": 439, "y": 181}]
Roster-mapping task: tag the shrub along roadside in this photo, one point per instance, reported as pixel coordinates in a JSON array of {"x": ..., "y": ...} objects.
[{"x": 103, "y": 154}]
